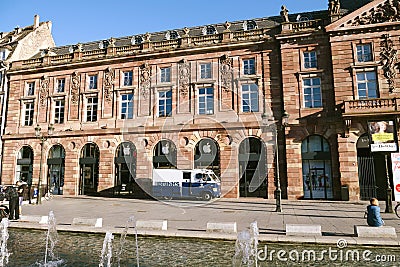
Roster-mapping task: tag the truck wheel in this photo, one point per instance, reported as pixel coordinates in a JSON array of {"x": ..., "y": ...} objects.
[{"x": 206, "y": 196}]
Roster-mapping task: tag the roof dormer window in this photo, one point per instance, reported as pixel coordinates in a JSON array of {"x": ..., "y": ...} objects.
[
  {"x": 207, "y": 30},
  {"x": 172, "y": 35},
  {"x": 249, "y": 25},
  {"x": 136, "y": 40}
]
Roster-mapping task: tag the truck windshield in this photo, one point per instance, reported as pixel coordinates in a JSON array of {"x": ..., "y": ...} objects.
[{"x": 213, "y": 177}]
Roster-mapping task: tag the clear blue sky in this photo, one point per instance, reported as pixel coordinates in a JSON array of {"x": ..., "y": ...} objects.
[{"x": 82, "y": 21}]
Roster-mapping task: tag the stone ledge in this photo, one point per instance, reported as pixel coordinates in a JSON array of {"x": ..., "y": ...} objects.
[
  {"x": 34, "y": 219},
  {"x": 96, "y": 222},
  {"x": 225, "y": 227},
  {"x": 370, "y": 231},
  {"x": 152, "y": 225},
  {"x": 303, "y": 229}
]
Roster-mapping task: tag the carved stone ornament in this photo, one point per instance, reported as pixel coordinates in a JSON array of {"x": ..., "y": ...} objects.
[
  {"x": 388, "y": 60},
  {"x": 226, "y": 72},
  {"x": 108, "y": 83},
  {"x": 385, "y": 12},
  {"x": 186, "y": 30},
  {"x": 184, "y": 77},
  {"x": 227, "y": 25},
  {"x": 75, "y": 88},
  {"x": 44, "y": 90},
  {"x": 145, "y": 72},
  {"x": 334, "y": 7}
]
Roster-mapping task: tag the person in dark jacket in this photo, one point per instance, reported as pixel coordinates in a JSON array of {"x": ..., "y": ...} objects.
[
  {"x": 13, "y": 204},
  {"x": 374, "y": 213}
]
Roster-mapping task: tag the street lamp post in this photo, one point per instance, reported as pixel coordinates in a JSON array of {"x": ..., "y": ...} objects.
[
  {"x": 42, "y": 138},
  {"x": 278, "y": 190}
]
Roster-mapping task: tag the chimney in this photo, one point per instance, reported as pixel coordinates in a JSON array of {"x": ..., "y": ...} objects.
[{"x": 35, "y": 21}]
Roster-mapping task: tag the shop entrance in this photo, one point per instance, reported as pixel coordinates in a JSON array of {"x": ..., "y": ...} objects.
[
  {"x": 55, "y": 163},
  {"x": 252, "y": 160},
  {"x": 89, "y": 169},
  {"x": 125, "y": 168},
  {"x": 206, "y": 156}
]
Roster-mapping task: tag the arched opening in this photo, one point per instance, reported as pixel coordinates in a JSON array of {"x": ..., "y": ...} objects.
[
  {"x": 164, "y": 156},
  {"x": 371, "y": 171},
  {"x": 207, "y": 156},
  {"x": 25, "y": 165},
  {"x": 125, "y": 168},
  {"x": 317, "y": 171},
  {"x": 89, "y": 169},
  {"x": 55, "y": 164},
  {"x": 252, "y": 171}
]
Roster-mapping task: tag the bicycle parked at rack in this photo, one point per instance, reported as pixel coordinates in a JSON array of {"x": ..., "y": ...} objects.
[{"x": 397, "y": 210}]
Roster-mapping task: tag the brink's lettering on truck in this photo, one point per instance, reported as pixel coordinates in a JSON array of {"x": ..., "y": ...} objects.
[{"x": 196, "y": 183}]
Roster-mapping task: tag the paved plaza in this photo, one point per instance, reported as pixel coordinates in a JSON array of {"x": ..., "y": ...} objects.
[{"x": 190, "y": 218}]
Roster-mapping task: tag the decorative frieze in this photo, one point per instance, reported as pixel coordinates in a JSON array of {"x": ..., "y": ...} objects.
[
  {"x": 145, "y": 74},
  {"x": 184, "y": 78},
  {"x": 44, "y": 90},
  {"x": 226, "y": 73},
  {"x": 75, "y": 88},
  {"x": 388, "y": 60},
  {"x": 386, "y": 12},
  {"x": 108, "y": 84}
]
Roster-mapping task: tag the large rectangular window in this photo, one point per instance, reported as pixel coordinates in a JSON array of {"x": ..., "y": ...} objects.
[
  {"x": 249, "y": 97},
  {"x": 91, "y": 109},
  {"x": 206, "y": 100},
  {"x": 165, "y": 75},
  {"x": 28, "y": 118},
  {"x": 92, "y": 81},
  {"x": 249, "y": 67},
  {"x": 60, "y": 85},
  {"x": 364, "y": 53},
  {"x": 127, "y": 106},
  {"x": 312, "y": 92},
  {"x": 205, "y": 71},
  {"x": 310, "y": 59},
  {"x": 30, "y": 88},
  {"x": 128, "y": 78},
  {"x": 59, "y": 107},
  {"x": 164, "y": 103},
  {"x": 367, "y": 85}
]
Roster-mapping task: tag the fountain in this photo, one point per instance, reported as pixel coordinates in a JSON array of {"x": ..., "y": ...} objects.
[
  {"x": 246, "y": 247},
  {"x": 106, "y": 252},
  {"x": 4, "y": 238},
  {"x": 123, "y": 240},
  {"x": 51, "y": 241}
]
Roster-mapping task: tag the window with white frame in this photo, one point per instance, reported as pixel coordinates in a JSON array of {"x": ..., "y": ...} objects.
[
  {"x": 249, "y": 97},
  {"x": 128, "y": 76},
  {"x": 205, "y": 71},
  {"x": 312, "y": 92},
  {"x": 206, "y": 100},
  {"x": 364, "y": 53},
  {"x": 310, "y": 59},
  {"x": 92, "y": 81},
  {"x": 59, "y": 108},
  {"x": 249, "y": 67},
  {"x": 30, "y": 88},
  {"x": 91, "y": 108},
  {"x": 4, "y": 54},
  {"x": 164, "y": 103},
  {"x": 28, "y": 116},
  {"x": 126, "y": 106},
  {"x": 60, "y": 85},
  {"x": 165, "y": 75},
  {"x": 367, "y": 85}
]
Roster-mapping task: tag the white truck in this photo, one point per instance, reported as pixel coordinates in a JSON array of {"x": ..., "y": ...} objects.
[{"x": 196, "y": 183}]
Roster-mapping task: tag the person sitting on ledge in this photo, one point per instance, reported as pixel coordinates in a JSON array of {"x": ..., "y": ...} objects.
[{"x": 374, "y": 213}]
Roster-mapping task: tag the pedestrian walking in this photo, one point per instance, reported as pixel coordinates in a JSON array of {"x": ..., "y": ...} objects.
[
  {"x": 22, "y": 187},
  {"x": 13, "y": 202}
]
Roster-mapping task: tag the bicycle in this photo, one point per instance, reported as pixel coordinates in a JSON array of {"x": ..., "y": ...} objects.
[{"x": 397, "y": 210}]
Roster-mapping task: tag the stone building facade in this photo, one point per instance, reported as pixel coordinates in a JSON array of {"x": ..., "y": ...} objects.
[
  {"x": 20, "y": 44},
  {"x": 286, "y": 97}
]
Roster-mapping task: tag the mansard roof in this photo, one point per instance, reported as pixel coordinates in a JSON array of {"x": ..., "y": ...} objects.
[{"x": 269, "y": 23}]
